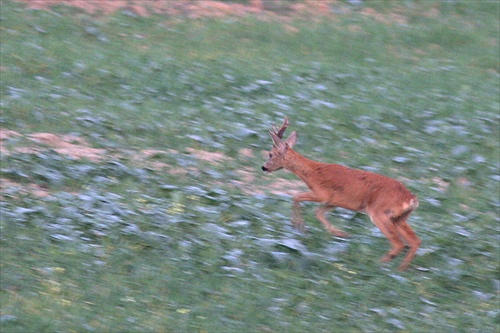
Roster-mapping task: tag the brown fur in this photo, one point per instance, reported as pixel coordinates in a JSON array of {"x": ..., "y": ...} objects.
[{"x": 387, "y": 201}]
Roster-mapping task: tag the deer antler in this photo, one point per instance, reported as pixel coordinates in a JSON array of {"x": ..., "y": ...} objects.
[{"x": 279, "y": 132}]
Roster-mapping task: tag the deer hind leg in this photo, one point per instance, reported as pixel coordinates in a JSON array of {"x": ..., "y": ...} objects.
[
  {"x": 411, "y": 238},
  {"x": 390, "y": 230},
  {"x": 297, "y": 220},
  {"x": 320, "y": 215}
]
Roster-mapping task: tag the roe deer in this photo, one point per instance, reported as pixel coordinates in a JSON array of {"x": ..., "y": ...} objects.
[{"x": 385, "y": 200}]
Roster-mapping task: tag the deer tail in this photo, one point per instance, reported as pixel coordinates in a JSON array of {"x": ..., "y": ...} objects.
[{"x": 405, "y": 210}]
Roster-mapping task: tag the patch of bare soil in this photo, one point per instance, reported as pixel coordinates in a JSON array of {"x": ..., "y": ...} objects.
[
  {"x": 69, "y": 145},
  {"x": 192, "y": 8},
  {"x": 389, "y": 18},
  {"x": 78, "y": 148},
  {"x": 36, "y": 190},
  {"x": 211, "y": 157}
]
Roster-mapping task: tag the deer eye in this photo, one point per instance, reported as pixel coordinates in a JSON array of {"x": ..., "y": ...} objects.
[{"x": 270, "y": 155}]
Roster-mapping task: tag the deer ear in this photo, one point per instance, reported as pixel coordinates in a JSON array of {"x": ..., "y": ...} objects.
[{"x": 292, "y": 139}]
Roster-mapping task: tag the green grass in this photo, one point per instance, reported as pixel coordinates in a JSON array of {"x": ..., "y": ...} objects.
[{"x": 120, "y": 246}]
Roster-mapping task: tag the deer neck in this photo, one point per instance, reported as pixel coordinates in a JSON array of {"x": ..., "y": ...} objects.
[{"x": 299, "y": 165}]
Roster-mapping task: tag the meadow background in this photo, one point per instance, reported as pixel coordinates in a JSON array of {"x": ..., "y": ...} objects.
[{"x": 132, "y": 198}]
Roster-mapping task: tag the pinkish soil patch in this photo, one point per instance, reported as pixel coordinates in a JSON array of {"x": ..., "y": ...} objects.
[{"x": 78, "y": 148}]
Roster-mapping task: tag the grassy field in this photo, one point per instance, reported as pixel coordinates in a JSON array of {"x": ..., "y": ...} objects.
[{"x": 170, "y": 226}]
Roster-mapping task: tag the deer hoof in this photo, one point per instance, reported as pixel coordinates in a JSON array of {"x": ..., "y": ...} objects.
[
  {"x": 402, "y": 268},
  {"x": 386, "y": 258}
]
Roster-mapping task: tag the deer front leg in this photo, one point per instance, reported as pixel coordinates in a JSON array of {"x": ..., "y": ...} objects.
[
  {"x": 320, "y": 215},
  {"x": 297, "y": 220}
]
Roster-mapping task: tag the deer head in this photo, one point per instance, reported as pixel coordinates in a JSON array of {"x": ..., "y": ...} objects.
[{"x": 277, "y": 155}]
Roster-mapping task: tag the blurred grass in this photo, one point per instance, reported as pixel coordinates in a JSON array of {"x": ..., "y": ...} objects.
[{"x": 121, "y": 246}]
